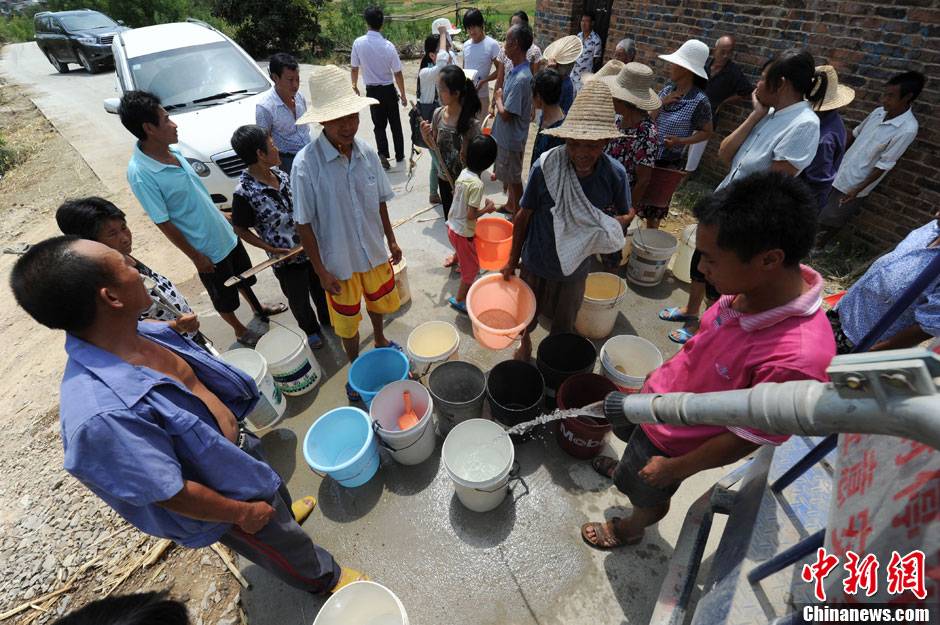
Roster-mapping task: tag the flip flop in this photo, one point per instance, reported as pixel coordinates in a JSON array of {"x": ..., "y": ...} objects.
[
  {"x": 461, "y": 306},
  {"x": 302, "y": 508},
  {"x": 273, "y": 309},
  {"x": 393, "y": 345},
  {"x": 605, "y": 465},
  {"x": 450, "y": 261},
  {"x": 351, "y": 393},
  {"x": 684, "y": 335},
  {"x": 249, "y": 338},
  {"x": 605, "y": 532},
  {"x": 348, "y": 576},
  {"x": 673, "y": 314},
  {"x": 315, "y": 341}
]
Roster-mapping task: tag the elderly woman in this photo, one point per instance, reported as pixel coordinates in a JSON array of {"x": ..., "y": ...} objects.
[
  {"x": 99, "y": 220},
  {"x": 686, "y": 114}
]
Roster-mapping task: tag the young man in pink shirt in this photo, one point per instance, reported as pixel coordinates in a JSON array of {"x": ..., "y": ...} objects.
[{"x": 768, "y": 326}]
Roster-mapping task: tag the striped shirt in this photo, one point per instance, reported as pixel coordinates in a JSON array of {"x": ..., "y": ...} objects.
[{"x": 273, "y": 115}]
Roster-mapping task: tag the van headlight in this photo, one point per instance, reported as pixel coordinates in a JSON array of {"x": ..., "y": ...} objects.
[
  {"x": 199, "y": 167},
  {"x": 88, "y": 41}
]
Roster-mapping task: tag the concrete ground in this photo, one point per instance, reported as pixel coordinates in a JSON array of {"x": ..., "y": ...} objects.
[{"x": 523, "y": 563}]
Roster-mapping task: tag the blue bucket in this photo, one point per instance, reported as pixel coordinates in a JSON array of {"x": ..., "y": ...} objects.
[
  {"x": 341, "y": 444},
  {"x": 372, "y": 371}
]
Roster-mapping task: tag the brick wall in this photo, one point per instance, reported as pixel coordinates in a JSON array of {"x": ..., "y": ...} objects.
[{"x": 867, "y": 42}]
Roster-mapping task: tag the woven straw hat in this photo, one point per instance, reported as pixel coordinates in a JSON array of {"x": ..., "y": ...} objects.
[
  {"x": 591, "y": 117},
  {"x": 565, "y": 50},
  {"x": 332, "y": 96},
  {"x": 632, "y": 84},
  {"x": 691, "y": 55},
  {"x": 837, "y": 95},
  {"x": 610, "y": 68}
]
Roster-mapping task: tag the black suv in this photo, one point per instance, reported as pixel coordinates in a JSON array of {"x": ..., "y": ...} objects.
[{"x": 82, "y": 37}]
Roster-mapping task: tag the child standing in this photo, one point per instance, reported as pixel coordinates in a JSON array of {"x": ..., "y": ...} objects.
[
  {"x": 546, "y": 94},
  {"x": 468, "y": 206}
]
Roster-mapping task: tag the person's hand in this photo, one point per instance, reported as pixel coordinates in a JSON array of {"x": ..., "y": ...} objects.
[
  {"x": 404, "y": 100},
  {"x": 674, "y": 96},
  {"x": 203, "y": 264},
  {"x": 660, "y": 472},
  {"x": 279, "y": 251},
  {"x": 255, "y": 516},
  {"x": 625, "y": 220},
  {"x": 442, "y": 30},
  {"x": 671, "y": 141},
  {"x": 498, "y": 96},
  {"x": 508, "y": 270},
  {"x": 356, "y": 89},
  {"x": 187, "y": 323},
  {"x": 849, "y": 197},
  {"x": 759, "y": 107},
  {"x": 395, "y": 255},
  {"x": 552, "y": 63},
  {"x": 329, "y": 283},
  {"x": 426, "y": 131},
  {"x": 489, "y": 206}
]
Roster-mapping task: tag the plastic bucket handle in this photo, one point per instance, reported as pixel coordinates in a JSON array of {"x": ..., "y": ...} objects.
[
  {"x": 514, "y": 470},
  {"x": 378, "y": 437}
]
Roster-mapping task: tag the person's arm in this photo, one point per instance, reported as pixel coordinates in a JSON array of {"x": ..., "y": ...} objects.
[
  {"x": 263, "y": 118},
  {"x": 389, "y": 234},
  {"x": 400, "y": 81},
  {"x": 500, "y": 109},
  {"x": 500, "y": 78},
  {"x": 715, "y": 452},
  {"x": 251, "y": 238},
  {"x": 702, "y": 134},
  {"x": 520, "y": 229},
  {"x": 732, "y": 143},
  {"x": 354, "y": 74},
  {"x": 309, "y": 240},
  {"x": 202, "y": 262},
  {"x": 475, "y": 213},
  {"x": 204, "y": 504},
  {"x": 728, "y": 100},
  {"x": 643, "y": 175},
  {"x": 910, "y": 337}
]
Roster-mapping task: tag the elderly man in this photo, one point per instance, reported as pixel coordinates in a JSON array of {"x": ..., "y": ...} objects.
[
  {"x": 577, "y": 203},
  {"x": 281, "y": 107},
  {"x": 152, "y": 424},
  {"x": 625, "y": 51}
]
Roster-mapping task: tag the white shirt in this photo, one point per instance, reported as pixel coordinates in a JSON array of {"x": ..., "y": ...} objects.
[
  {"x": 377, "y": 57},
  {"x": 480, "y": 56},
  {"x": 427, "y": 77},
  {"x": 790, "y": 134},
  {"x": 585, "y": 63},
  {"x": 879, "y": 143},
  {"x": 468, "y": 191},
  {"x": 340, "y": 199}
]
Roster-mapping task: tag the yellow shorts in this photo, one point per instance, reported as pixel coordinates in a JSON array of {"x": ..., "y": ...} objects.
[{"x": 377, "y": 284}]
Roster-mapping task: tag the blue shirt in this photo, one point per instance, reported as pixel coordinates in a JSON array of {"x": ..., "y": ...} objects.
[
  {"x": 870, "y": 298},
  {"x": 822, "y": 171},
  {"x": 567, "y": 95},
  {"x": 176, "y": 195},
  {"x": 607, "y": 189},
  {"x": 132, "y": 435},
  {"x": 273, "y": 115},
  {"x": 517, "y": 99}
]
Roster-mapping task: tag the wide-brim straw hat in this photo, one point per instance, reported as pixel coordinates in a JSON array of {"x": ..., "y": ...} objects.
[
  {"x": 565, "y": 50},
  {"x": 611, "y": 68},
  {"x": 591, "y": 117},
  {"x": 332, "y": 96},
  {"x": 837, "y": 95},
  {"x": 632, "y": 84},
  {"x": 691, "y": 55}
]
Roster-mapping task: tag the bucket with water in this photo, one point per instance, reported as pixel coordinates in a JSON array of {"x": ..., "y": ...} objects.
[
  {"x": 499, "y": 310},
  {"x": 430, "y": 343},
  {"x": 493, "y": 241},
  {"x": 411, "y": 446},
  {"x": 515, "y": 390},
  {"x": 627, "y": 360},
  {"x": 289, "y": 359},
  {"x": 583, "y": 436},
  {"x": 681, "y": 267},
  {"x": 478, "y": 456},
  {"x": 458, "y": 389},
  {"x": 341, "y": 444},
  {"x": 650, "y": 252},
  {"x": 369, "y": 373},
  {"x": 603, "y": 294},
  {"x": 362, "y": 602},
  {"x": 560, "y": 356},
  {"x": 271, "y": 405}
]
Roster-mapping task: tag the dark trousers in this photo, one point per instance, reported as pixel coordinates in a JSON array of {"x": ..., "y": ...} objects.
[
  {"x": 282, "y": 547},
  {"x": 447, "y": 195},
  {"x": 299, "y": 283},
  {"x": 385, "y": 113}
]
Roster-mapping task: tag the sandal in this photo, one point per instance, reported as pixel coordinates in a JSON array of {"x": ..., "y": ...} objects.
[
  {"x": 272, "y": 309},
  {"x": 461, "y": 306},
  {"x": 450, "y": 261},
  {"x": 351, "y": 393},
  {"x": 249, "y": 338},
  {"x": 302, "y": 508},
  {"x": 315, "y": 341},
  {"x": 680, "y": 336},
  {"x": 348, "y": 576},
  {"x": 605, "y": 465},
  {"x": 673, "y": 314},
  {"x": 605, "y": 535},
  {"x": 393, "y": 345}
]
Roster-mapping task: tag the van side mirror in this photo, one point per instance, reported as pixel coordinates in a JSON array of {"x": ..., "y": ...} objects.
[
  {"x": 111, "y": 105},
  {"x": 120, "y": 22}
]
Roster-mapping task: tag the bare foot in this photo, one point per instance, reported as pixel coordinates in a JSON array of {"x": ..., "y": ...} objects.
[{"x": 613, "y": 533}]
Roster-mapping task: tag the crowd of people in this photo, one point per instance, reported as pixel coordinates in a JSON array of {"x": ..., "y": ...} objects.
[{"x": 152, "y": 423}]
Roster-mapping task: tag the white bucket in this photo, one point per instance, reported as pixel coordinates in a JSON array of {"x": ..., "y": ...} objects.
[
  {"x": 627, "y": 360},
  {"x": 478, "y": 456},
  {"x": 290, "y": 360},
  {"x": 416, "y": 444},
  {"x": 401, "y": 281},
  {"x": 683, "y": 263},
  {"x": 650, "y": 251},
  {"x": 430, "y": 343},
  {"x": 271, "y": 405},
  {"x": 635, "y": 225},
  {"x": 603, "y": 294},
  {"x": 362, "y": 602}
]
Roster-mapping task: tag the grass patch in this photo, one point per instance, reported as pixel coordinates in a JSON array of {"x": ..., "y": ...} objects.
[
  {"x": 9, "y": 157},
  {"x": 17, "y": 28},
  {"x": 845, "y": 262}
]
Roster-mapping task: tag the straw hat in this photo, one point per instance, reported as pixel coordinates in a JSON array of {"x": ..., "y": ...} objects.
[
  {"x": 690, "y": 55},
  {"x": 611, "y": 68},
  {"x": 591, "y": 117},
  {"x": 565, "y": 50},
  {"x": 837, "y": 95},
  {"x": 632, "y": 84},
  {"x": 443, "y": 21},
  {"x": 332, "y": 96}
]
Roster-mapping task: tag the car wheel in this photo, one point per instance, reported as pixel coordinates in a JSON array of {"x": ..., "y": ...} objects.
[
  {"x": 62, "y": 68},
  {"x": 90, "y": 67}
]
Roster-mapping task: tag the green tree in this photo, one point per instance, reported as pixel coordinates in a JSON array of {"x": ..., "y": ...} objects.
[
  {"x": 138, "y": 13},
  {"x": 263, "y": 27}
]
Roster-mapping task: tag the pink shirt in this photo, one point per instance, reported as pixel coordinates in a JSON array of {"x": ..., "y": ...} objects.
[{"x": 736, "y": 351}]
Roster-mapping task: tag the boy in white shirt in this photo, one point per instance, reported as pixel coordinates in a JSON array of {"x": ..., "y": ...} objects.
[{"x": 480, "y": 53}]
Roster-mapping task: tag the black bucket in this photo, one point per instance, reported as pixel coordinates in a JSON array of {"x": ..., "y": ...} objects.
[
  {"x": 515, "y": 390},
  {"x": 457, "y": 388},
  {"x": 560, "y": 356}
]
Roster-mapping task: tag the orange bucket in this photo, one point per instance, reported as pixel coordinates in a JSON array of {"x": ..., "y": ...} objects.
[
  {"x": 487, "y": 126},
  {"x": 499, "y": 310},
  {"x": 493, "y": 240}
]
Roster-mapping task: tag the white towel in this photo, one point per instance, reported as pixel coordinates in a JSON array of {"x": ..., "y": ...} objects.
[{"x": 581, "y": 229}]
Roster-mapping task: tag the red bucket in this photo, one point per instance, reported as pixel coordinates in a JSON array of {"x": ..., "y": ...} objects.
[{"x": 583, "y": 437}]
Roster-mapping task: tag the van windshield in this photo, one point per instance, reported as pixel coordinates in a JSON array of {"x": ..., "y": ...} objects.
[
  {"x": 207, "y": 73},
  {"x": 86, "y": 21}
]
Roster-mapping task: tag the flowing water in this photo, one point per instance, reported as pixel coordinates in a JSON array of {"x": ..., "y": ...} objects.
[{"x": 595, "y": 410}]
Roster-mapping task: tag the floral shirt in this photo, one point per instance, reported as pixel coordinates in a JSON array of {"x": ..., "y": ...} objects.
[
  {"x": 451, "y": 143},
  {"x": 637, "y": 146},
  {"x": 592, "y": 49},
  {"x": 269, "y": 211},
  {"x": 533, "y": 55},
  {"x": 169, "y": 293}
]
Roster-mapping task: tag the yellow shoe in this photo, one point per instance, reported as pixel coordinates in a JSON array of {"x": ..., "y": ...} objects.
[
  {"x": 348, "y": 576},
  {"x": 302, "y": 508}
]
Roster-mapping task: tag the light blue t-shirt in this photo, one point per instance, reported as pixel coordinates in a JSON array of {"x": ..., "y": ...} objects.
[
  {"x": 176, "y": 195},
  {"x": 517, "y": 99}
]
